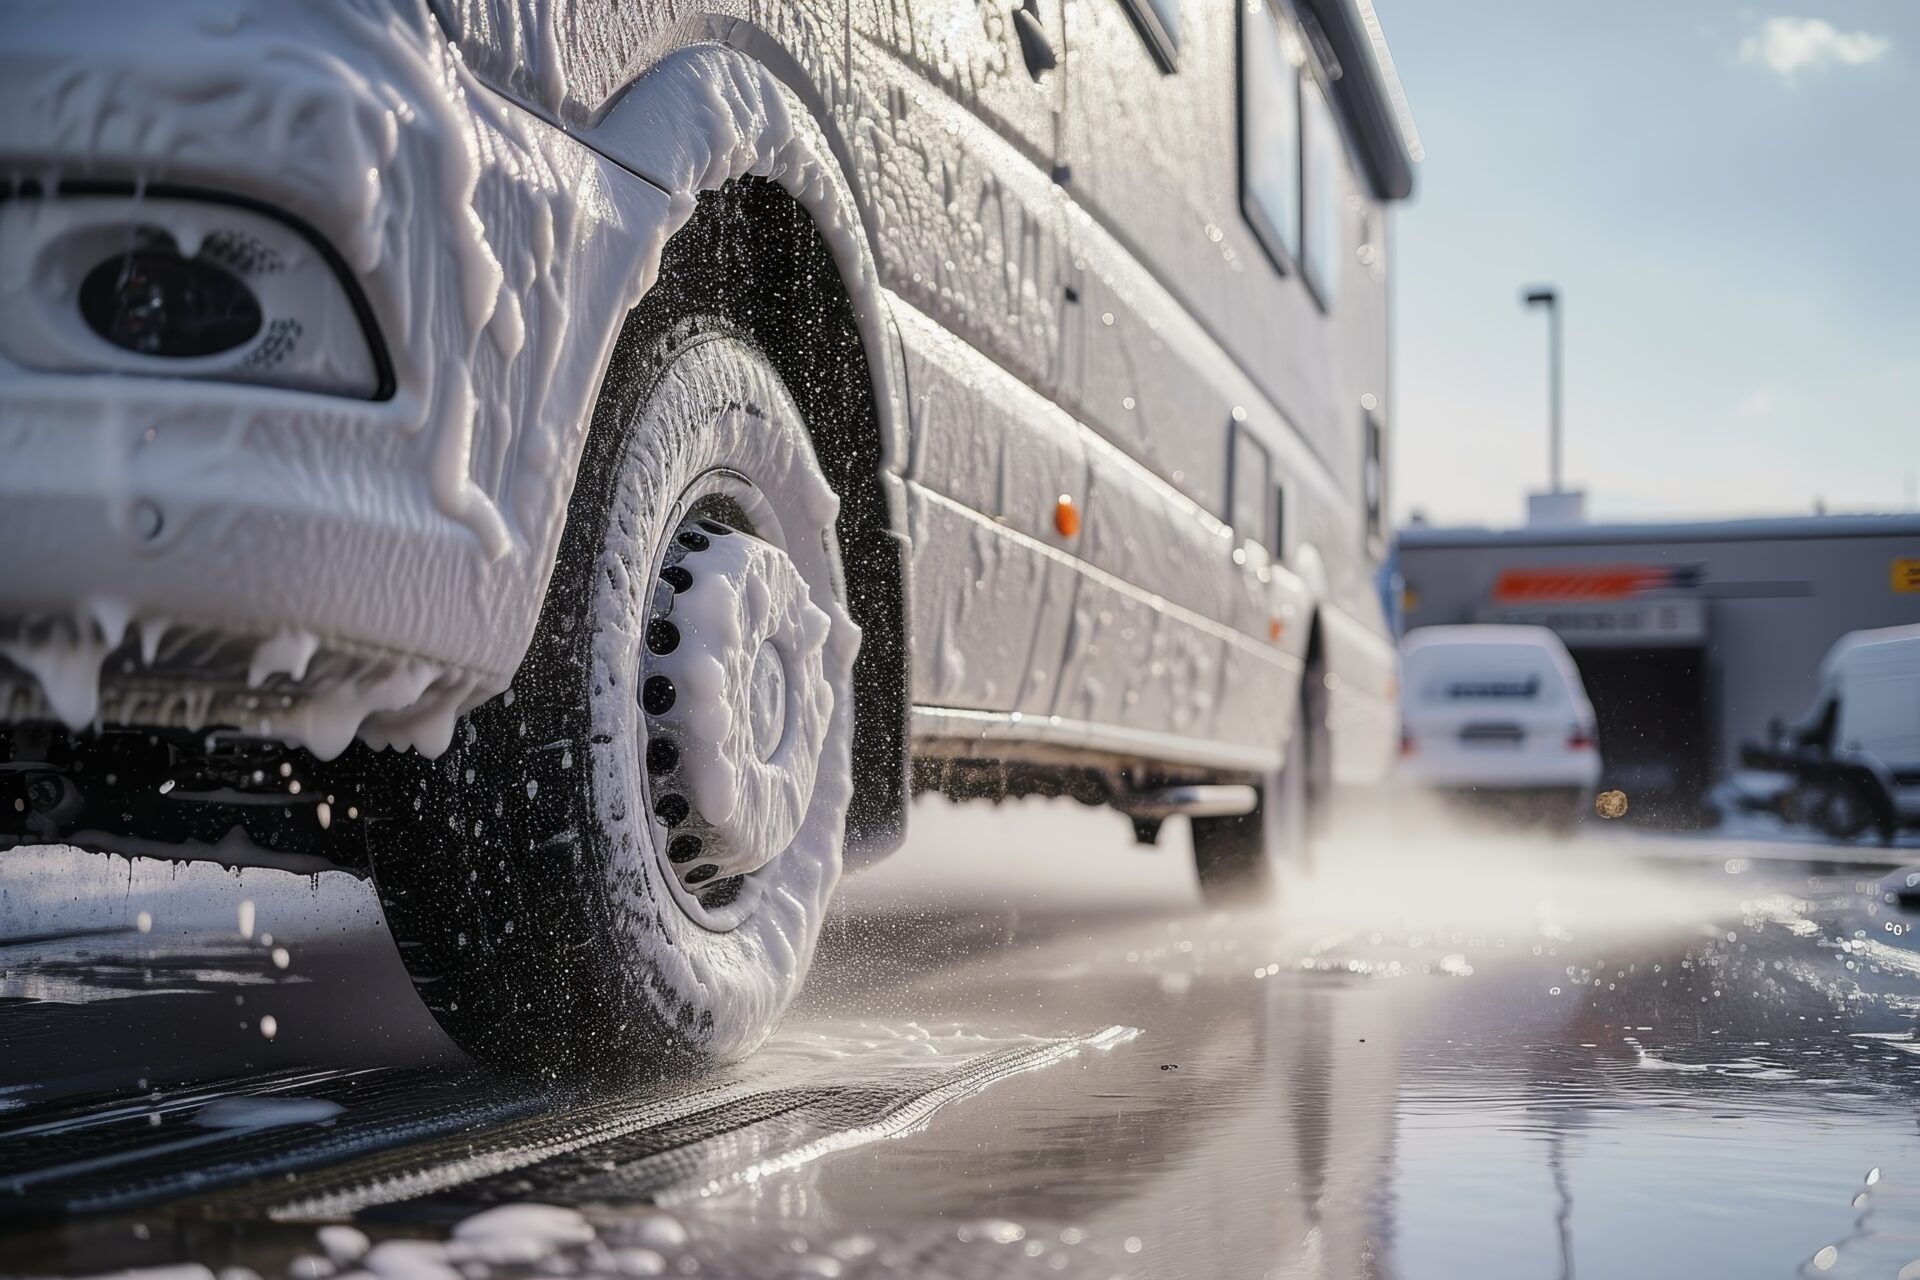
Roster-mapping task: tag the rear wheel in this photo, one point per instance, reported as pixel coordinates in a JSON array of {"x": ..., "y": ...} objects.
[
  {"x": 1240, "y": 860},
  {"x": 624, "y": 860}
]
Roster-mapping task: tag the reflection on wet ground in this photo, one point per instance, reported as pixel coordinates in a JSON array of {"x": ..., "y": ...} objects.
[{"x": 1026, "y": 1050}]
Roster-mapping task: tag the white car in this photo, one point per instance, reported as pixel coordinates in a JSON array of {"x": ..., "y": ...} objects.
[
  {"x": 1497, "y": 714},
  {"x": 585, "y": 465}
]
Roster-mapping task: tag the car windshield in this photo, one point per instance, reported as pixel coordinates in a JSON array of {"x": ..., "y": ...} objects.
[{"x": 1482, "y": 673}]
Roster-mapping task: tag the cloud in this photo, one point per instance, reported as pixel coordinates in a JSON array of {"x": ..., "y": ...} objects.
[
  {"x": 1757, "y": 405},
  {"x": 1786, "y": 46}
]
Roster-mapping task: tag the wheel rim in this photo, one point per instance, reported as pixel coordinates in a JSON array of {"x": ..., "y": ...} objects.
[{"x": 734, "y": 697}]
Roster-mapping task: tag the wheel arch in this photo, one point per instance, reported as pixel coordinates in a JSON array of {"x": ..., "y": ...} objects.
[{"x": 770, "y": 238}]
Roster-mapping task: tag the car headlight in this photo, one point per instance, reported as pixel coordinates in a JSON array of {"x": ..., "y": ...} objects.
[{"x": 176, "y": 284}]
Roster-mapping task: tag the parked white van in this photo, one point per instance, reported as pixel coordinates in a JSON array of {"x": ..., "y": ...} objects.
[
  {"x": 1854, "y": 757},
  {"x": 586, "y": 465},
  {"x": 1497, "y": 714}
]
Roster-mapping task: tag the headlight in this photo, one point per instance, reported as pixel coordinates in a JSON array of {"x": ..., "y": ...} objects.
[{"x": 180, "y": 285}]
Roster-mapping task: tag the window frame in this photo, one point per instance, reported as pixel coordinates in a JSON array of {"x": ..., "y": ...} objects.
[
  {"x": 1260, "y": 529},
  {"x": 1308, "y": 77},
  {"x": 1373, "y": 457},
  {"x": 1163, "y": 44},
  {"x": 1322, "y": 291},
  {"x": 1271, "y": 238}
]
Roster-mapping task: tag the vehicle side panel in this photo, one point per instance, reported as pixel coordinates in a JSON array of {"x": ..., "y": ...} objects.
[
  {"x": 990, "y": 459},
  {"x": 965, "y": 225},
  {"x": 1184, "y": 318},
  {"x": 1155, "y": 159},
  {"x": 951, "y": 142}
]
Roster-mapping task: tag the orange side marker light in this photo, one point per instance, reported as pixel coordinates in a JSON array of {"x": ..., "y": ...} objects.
[
  {"x": 1275, "y": 629},
  {"x": 1066, "y": 516}
]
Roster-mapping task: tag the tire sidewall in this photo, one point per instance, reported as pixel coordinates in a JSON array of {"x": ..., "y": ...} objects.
[{"x": 719, "y": 983}]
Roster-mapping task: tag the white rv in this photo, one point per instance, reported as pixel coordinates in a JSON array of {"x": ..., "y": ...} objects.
[{"x": 585, "y": 465}]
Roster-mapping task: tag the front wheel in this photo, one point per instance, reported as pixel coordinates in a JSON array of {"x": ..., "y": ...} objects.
[{"x": 624, "y": 860}]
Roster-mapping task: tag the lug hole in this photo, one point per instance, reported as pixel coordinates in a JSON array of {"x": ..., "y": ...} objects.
[
  {"x": 657, "y": 695},
  {"x": 662, "y": 755},
  {"x": 702, "y": 873},
  {"x": 677, "y": 578},
  {"x": 683, "y": 849},
  {"x": 672, "y": 810},
  {"x": 662, "y": 636},
  {"x": 715, "y": 528},
  {"x": 694, "y": 540}
]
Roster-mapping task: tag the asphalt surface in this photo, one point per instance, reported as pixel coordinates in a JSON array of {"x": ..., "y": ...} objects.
[{"x": 1026, "y": 1049}]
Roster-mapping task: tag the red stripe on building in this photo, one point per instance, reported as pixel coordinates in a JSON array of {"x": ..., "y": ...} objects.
[{"x": 1601, "y": 582}]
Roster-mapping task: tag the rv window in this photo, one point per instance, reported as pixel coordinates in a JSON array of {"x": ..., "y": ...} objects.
[
  {"x": 1373, "y": 484},
  {"x": 1324, "y": 166},
  {"x": 1270, "y": 58},
  {"x": 1159, "y": 24},
  {"x": 1250, "y": 481}
]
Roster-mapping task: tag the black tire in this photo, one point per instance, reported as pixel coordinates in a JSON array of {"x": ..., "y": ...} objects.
[
  {"x": 1844, "y": 811},
  {"x": 519, "y": 871},
  {"x": 1240, "y": 860}
]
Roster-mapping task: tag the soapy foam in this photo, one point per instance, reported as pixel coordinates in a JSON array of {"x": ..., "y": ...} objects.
[
  {"x": 499, "y": 256},
  {"x": 745, "y": 596},
  {"x": 719, "y": 406}
]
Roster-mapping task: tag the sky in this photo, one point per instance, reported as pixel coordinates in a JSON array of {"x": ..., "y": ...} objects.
[{"x": 1726, "y": 198}]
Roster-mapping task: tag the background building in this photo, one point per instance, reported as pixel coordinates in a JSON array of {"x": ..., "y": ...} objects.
[{"x": 1690, "y": 637}]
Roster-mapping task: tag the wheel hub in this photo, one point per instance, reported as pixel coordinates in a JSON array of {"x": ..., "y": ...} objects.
[
  {"x": 737, "y": 702},
  {"x": 766, "y": 702}
]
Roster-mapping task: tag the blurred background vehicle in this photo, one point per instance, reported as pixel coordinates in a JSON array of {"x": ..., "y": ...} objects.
[
  {"x": 1688, "y": 634},
  {"x": 1497, "y": 716},
  {"x": 1852, "y": 763}
]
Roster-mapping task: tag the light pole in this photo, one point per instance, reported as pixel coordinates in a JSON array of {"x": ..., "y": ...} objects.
[{"x": 1549, "y": 297}]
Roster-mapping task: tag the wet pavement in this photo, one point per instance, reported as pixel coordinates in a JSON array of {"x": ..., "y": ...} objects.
[{"x": 1026, "y": 1050}]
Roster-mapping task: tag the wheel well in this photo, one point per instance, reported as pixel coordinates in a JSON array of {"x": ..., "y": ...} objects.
[
  {"x": 1316, "y": 656},
  {"x": 752, "y": 255},
  {"x": 1314, "y": 695}
]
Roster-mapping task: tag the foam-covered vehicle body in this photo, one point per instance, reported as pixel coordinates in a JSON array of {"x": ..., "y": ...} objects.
[
  {"x": 586, "y": 464},
  {"x": 1497, "y": 715},
  {"x": 1852, "y": 762}
]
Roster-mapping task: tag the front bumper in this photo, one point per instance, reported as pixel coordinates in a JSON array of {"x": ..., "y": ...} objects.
[
  {"x": 1460, "y": 772},
  {"x": 298, "y": 565}
]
